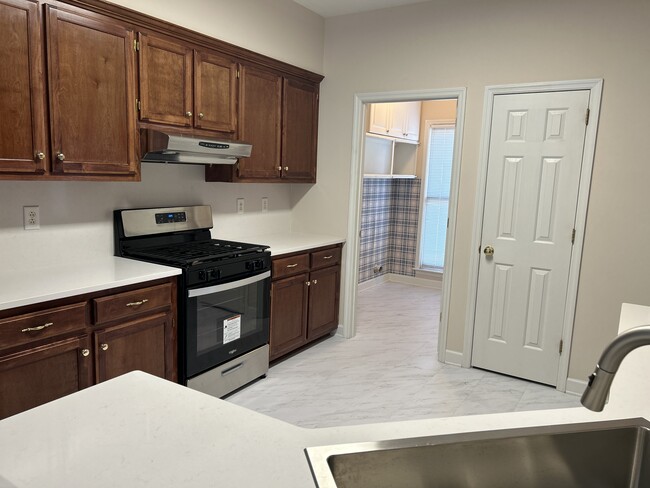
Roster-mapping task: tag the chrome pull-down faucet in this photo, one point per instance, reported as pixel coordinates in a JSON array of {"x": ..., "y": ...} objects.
[{"x": 601, "y": 379}]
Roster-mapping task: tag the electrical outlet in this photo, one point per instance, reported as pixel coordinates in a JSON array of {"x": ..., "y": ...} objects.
[
  {"x": 32, "y": 218},
  {"x": 240, "y": 205},
  {"x": 265, "y": 204}
]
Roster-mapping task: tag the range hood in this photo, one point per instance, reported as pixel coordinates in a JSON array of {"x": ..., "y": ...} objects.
[{"x": 166, "y": 147}]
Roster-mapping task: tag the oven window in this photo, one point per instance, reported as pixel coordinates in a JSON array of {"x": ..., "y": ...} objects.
[{"x": 226, "y": 317}]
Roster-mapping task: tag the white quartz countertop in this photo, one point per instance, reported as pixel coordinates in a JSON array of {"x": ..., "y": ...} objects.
[
  {"x": 140, "y": 431},
  {"x": 292, "y": 241},
  {"x": 61, "y": 280}
]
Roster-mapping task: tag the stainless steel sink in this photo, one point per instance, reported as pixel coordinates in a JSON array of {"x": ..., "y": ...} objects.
[{"x": 613, "y": 454}]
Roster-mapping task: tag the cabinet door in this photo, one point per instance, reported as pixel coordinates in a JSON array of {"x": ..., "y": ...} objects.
[
  {"x": 144, "y": 345},
  {"x": 323, "y": 301},
  {"x": 91, "y": 86},
  {"x": 165, "y": 81},
  {"x": 412, "y": 120},
  {"x": 43, "y": 374},
  {"x": 379, "y": 122},
  {"x": 299, "y": 130},
  {"x": 260, "y": 109},
  {"x": 397, "y": 120},
  {"x": 288, "y": 314},
  {"x": 215, "y": 92},
  {"x": 23, "y": 136}
]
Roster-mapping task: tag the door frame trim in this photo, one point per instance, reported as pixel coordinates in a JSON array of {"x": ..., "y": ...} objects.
[
  {"x": 351, "y": 260},
  {"x": 595, "y": 87}
]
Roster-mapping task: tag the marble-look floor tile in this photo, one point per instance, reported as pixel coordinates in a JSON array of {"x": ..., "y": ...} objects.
[{"x": 388, "y": 372}]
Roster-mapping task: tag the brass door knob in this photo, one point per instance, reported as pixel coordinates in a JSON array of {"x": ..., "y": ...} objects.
[
  {"x": 188, "y": 114},
  {"x": 488, "y": 251},
  {"x": 201, "y": 115},
  {"x": 60, "y": 156},
  {"x": 85, "y": 352},
  {"x": 104, "y": 347},
  {"x": 40, "y": 155}
]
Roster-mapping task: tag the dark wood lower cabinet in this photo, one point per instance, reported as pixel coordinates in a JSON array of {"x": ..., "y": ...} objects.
[
  {"x": 51, "y": 350},
  {"x": 37, "y": 376},
  {"x": 304, "y": 298},
  {"x": 139, "y": 345},
  {"x": 288, "y": 314}
]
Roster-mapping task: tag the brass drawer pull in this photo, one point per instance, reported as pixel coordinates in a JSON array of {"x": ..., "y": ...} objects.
[
  {"x": 135, "y": 304},
  {"x": 328, "y": 257},
  {"x": 292, "y": 265},
  {"x": 40, "y": 327}
]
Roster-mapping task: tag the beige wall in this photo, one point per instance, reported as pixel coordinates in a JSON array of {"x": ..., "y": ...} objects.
[{"x": 473, "y": 43}]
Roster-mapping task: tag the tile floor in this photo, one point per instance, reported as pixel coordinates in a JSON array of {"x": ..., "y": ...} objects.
[{"x": 388, "y": 372}]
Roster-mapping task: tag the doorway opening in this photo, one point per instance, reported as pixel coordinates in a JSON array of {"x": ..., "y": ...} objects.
[{"x": 390, "y": 163}]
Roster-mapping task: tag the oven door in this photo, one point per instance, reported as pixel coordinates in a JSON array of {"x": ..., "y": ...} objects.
[{"x": 225, "y": 321}]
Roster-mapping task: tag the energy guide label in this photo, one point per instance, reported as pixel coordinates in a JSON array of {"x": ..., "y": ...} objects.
[{"x": 231, "y": 329}]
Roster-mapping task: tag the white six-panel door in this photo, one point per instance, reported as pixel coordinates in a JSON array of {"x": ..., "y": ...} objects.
[{"x": 534, "y": 165}]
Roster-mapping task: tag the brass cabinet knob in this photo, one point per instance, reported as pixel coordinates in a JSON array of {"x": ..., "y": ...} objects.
[
  {"x": 488, "y": 251},
  {"x": 189, "y": 114},
  {"x": 315, "y": 282},
  {"x": 40, "y": 155},
  {"x": 85, "y": 352},
  {"x": 308, "y": 283},
  {"x": 286, "y": 168},
  {"x": 60, "y": 156},
  {"x": 201, "y": 115},
  {"x": 104, "y": 347},
  {"x": 279, "y": 168}
]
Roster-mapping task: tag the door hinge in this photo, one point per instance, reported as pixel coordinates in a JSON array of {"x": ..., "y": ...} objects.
[
  {"x": 447, "y": 222},
  {"x": 173, "y": 323},
  {"x": 561, "y": 345},
  {"x": 440, "y": 321},
  {"x": 138, "y": 105},
  {"x": 573, "y": 236},
  {"x": 136, "y": 45},
  {"x": 587, "y": 117}
]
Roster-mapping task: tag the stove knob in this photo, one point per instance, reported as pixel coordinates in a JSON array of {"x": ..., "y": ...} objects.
[
  {"x": 202, "y": 275},
  {"x": 215, "y": 274},
  {"x": 250, "y": 265}
]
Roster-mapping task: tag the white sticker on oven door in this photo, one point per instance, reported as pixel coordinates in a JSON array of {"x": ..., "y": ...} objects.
[{"x": 231, "y": 329}]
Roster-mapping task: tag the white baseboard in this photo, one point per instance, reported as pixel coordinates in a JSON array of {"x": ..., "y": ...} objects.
[
  {"x": 373, "y": 282},
  {"x": 412, "y": 280},
  {"x": 575, "y": 387},
  {"x": 454, "y": 358}
]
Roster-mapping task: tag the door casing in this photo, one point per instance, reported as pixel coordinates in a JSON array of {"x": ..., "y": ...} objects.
[
  {"x": 351, "y": 257},
  {"x": 595, "y": 88}
]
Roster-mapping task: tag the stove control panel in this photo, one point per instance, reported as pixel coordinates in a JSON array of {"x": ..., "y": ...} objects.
[
  {"x": 171, "y": 217},
  {"x": 255, "y": 265}
]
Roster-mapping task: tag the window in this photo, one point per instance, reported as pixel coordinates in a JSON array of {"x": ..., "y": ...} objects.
[{"x": 440, "y": 154}]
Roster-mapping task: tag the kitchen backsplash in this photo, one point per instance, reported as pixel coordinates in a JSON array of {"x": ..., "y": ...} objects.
[
  {"x": 77, "y": 217},
  {"x": 389, "y": 225}
]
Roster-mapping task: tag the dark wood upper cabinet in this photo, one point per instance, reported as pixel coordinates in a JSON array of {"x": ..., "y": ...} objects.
[
  {"x": 165, "y": 81},
  {"x": 279, "y": 117},
  {"x": 23, "y": 132},
  {"x": 91, "y": 72},
  {"x": 260, "y": 112},
  {"x": 299, "y": 130},
  {"x": 215, "y": 92}
]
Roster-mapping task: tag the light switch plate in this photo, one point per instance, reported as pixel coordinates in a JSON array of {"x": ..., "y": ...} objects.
[{"x": 240, "y": 205}]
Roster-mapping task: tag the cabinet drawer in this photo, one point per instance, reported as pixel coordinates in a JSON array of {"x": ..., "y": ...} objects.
[
  {"x": 36, "y": 326},
  {"x": 290, "y": 265},
  {"x": 131, "y": 303},
  {"x": 328, "y": 257}
]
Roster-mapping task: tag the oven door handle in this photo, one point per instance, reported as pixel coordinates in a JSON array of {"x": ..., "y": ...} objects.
[{"x": 198, "y": 292}]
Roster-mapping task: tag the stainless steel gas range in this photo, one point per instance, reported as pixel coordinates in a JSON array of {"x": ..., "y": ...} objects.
[{"x": 224, "y": 293}]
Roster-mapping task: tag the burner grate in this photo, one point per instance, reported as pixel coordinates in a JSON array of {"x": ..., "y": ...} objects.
[{"x": 195, "y": 252}]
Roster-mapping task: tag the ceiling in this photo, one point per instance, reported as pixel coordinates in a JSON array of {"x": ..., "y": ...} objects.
[{"x": 332, "y": 8}]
